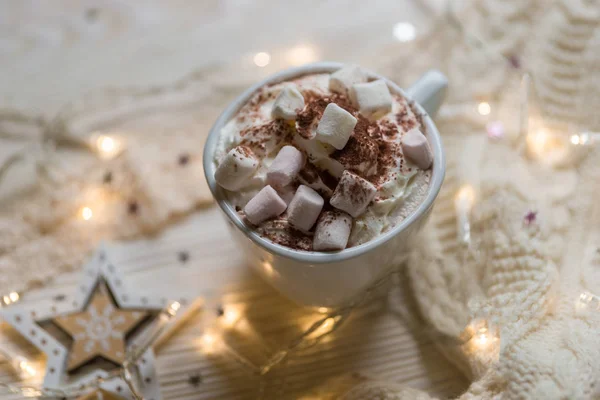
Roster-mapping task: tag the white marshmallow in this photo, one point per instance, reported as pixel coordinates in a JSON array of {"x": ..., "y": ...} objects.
[
  {"x": 288, "y": 103},
  {"x": 304, "y": 209},
  {"x": 288, "y": 162},
  {"x": 341, "y": 81},
  {"x": 236, "y": 168},
  {"x": 353, "y": 194},
  {"x": 332, "y": 231},
  {"x": 265, "y": 205},
  {"x": 372, "y": 98},
  {"x": 416, "y": 148},
  {"x": 336, "y": 126}
]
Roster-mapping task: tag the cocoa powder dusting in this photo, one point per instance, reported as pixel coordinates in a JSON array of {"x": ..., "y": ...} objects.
[
  {"x": 372, "y": 153},
  {"x": 361, "y": 152},
  {"x": 256, "y": 137},
  {"x": 280, "y": 232}
]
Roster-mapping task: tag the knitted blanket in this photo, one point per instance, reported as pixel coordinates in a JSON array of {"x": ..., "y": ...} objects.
[{"x": 533, "y": 260}]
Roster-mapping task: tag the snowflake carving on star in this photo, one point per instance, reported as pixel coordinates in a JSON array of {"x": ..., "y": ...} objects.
[{"x": 99, "y": 330}]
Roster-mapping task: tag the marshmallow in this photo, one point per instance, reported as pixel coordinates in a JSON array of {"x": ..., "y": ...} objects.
[
  {"x": 236, "y": 168},
  {"x": 288, "y": 103},
  {"x": 285, "y": 167},
  {"x": 353, "y": 194},
  {"x": 416, "y": 148},
  {"x": 342, "y": 80},
  {"x": 332, "y": 231},
  {"x": 265, "y": 205},
  {"x": 372, "y": 98},
  {"x": 304, "y": 209},
  {"x": 336, "y": 126}
]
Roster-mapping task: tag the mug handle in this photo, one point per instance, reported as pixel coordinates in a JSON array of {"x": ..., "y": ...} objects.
[{"x": 429, "y": 91}]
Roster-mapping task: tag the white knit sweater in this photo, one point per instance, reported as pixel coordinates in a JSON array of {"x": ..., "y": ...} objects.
[{"x": 525, "y": 279}]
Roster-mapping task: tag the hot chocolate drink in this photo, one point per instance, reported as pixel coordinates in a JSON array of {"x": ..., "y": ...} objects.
[{"x": 324, "y": 161}]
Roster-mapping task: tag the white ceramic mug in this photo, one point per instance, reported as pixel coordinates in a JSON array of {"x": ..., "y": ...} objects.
[{"x": 323, "y": 279}]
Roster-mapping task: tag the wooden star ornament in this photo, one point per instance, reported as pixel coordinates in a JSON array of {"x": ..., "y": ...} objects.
[
  {"x": 86, "y": 336},
  {"x": 99, "y": 330}
]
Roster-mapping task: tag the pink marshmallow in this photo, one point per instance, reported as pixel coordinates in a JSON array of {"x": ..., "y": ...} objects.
[
  {"x": 304, "y": 209},
  {"x": 353, "y": 194},
  {"x": 332, "y": 231},
  {"x": 285, "y": 167},
  {"x": 416, "y": 148},
  {"x": 266, "y": 204}
]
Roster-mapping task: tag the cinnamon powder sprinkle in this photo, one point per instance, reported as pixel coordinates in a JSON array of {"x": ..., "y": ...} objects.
[{"x": 280, "y": 232}]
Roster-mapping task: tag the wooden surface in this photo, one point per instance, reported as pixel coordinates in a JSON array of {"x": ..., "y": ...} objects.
[
  {"x": 53, "y": 53},
  {"x": 377, "y": 342}
]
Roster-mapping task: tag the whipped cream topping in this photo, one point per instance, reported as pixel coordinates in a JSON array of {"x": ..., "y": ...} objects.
[{"x": 373, "y": 152}]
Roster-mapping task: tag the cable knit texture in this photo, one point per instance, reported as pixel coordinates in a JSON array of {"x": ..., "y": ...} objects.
[{"x": 523, "y": 278}]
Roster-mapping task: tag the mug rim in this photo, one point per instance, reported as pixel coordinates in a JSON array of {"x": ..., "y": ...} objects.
[{"x": 314, "y": 257}]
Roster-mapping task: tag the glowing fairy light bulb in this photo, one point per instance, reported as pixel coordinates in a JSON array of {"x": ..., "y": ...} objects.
[
  {"x": 404, "y": 31},
  {"x": 301, "y": 55},
  {"x": 10, "y": 298},
  {"x": 230, "y": 317},
  {"x": 173, "y": 308},
  {"x": 86, "y": 213},
  {"x": 209, "y": 342},
  {"x": 586, "y": 302},
  {"x": 484, "y": 108},
  {"x": 584, "y": 138},
  {"x": 24, "y": 367},
  {"x": 262, "y": 59},
  {"x": 268, "y": 268},
  {"x": 482, "y": 338},
  {"x": 537, "y": 142},
  {"x": 465, "y": 197},
  {"x": 107, "y": 146},
  {"x": 14, "y": 296},
  {"x": 463, "y": 202}
]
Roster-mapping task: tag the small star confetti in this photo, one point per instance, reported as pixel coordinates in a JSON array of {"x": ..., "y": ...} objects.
[
  {"x": 183, "y": 257},
  {"x": 514, "y": 61},
  {"x": 220, "y": 311},
  {"x": 91, "y": 14},
  {"x": 530, "y": 217},
  {"x": 183, "y": 159},
  {"x": 107, "y": 178},
  {"x": 495, "y": 130},
  {"x": 195, "y": 380},
  {"x": 132, "y": 207}
]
